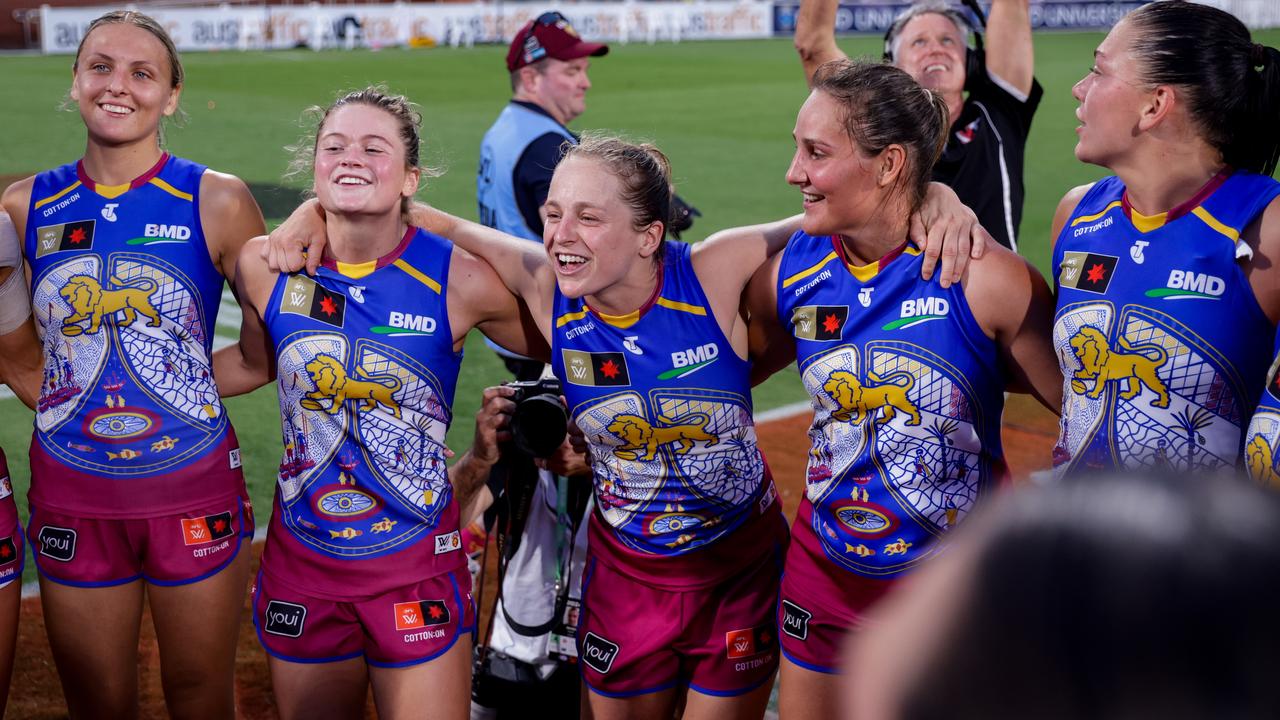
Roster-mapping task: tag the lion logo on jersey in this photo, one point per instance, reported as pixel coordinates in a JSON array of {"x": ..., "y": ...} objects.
[
  {"x": 333, "y": 384},
  {"x": 856, "y": 400},
  {"x": 92, "y": 302},
  {"x": 1258, "y": 457},
  {"x": 637, "y": 434},
  {"x": 1133, "y": 368}
]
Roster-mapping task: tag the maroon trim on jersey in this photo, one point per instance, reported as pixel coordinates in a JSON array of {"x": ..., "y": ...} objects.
[
  {"x": 837, "y": 242},
  {"x": 134, "y": 184},
  {"x": 1196, "y": 200},
  {"x": 381, "y": 262},
  {"x": 635, "y": 315}
]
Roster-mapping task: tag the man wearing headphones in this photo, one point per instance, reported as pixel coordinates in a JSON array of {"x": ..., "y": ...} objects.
[{"x": 984, "y": 157}]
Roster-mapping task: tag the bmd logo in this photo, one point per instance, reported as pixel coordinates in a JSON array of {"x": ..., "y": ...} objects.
[
  {"x": 172, "y": 232},
  {"x": 1188, "y": 285},
  {"x": 919, "y": 310},
  {"x": 158, "y": 234},
  {"x": 687, "y": 362},
  {"x": 399, "y": 323}
]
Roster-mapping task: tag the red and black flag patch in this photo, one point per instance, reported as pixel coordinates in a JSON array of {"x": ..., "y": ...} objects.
[
  {"x": 1090, "y": 272},
  {"x": 68, "y": 236},
  {"x": 420, "y": 614},
  {"x": 822, "y": 323},
  {"x": 8, "y": 551},
  {"x": 198, "y": 531},
  {"x": 304, "y": 296},
  {"x": 596, "y": 368}
]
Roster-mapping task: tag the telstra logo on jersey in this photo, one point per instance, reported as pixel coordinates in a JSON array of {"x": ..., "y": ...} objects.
[
  {"x": 691, "y": 360},
  {"x": 919, "y": 310},
  {"x": 401, "y": 323}
]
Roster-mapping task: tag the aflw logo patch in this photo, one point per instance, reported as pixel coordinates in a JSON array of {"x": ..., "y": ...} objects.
[
  {"x": 420, "y": 614},
  {"x": 71, "y": 236},
  {"x": 303, "y": 296},
  {"x": 745, "y": 643},
  {"x": 198, "y": 531},
  {"x": 822, "y": 323},
  {"x": 1090, "y": 272},
  {"x": 595, "y": 369}
]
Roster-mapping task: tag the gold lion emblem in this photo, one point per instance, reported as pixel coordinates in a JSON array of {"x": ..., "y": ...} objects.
[
  {"x": 92, "y": 302},
  {"x": 1258, "y": 457},
  {"x": 333, "y": 384},
  {"x": 1132, "y": 368},
  {"x": 856, "y": 400},
  {"x": 638, "y": 434}
]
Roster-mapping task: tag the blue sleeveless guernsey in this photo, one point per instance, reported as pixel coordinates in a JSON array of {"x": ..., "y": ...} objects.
[
  {"x": 129, "y": 423},
  {"x": 907, "y": 396},
  {"x": 1162, "y": 344},
  {"x": 665, "y": 404},
  {"x": 1262, "y": 440},
  {"x": 365, "y": 372}
]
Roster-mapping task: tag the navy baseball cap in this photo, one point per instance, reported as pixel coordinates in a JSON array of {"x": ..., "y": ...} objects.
[{"x": 549, "y": 35}]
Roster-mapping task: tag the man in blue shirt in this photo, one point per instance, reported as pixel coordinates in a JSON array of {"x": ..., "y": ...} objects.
[{"x": 548, "y": 63}]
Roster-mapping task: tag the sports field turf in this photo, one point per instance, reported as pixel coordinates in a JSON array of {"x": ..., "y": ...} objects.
[{"x": 722, "y": 111}]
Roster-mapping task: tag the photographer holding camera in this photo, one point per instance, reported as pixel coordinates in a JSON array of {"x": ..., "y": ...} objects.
[{"x": 529, "y": 657}]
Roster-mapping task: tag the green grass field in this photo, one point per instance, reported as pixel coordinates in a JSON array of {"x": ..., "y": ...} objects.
[{"x": 723, "y": 112}]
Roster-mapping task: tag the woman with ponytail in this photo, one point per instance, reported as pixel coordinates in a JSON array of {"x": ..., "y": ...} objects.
[
  {"x": 1168, "y": 285},
  {"x": 907, "y": 377}
]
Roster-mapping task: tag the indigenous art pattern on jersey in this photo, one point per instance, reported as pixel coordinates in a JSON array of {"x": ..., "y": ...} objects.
[
  {"x": 665, "y": 404},
  {"x": 1159, "y": 336},
  {"x": 125, "y": 292},
  {"x": 906, "y": 397}
]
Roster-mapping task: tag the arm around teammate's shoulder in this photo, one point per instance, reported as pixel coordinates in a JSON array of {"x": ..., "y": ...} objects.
[
  {"x": 1013, "y": 305},
  {"x": 251, "y": 362},
  {"x": 230, "y": 217},
  {"x": 1263, "y": 238},
  {"x": 769, "y": 341},
  {"x": 726, "y": 261},
  {"x": 479, "y": 298}
]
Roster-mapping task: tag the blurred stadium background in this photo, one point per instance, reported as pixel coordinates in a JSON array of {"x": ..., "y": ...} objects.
[{"x": 715, "y": 84}]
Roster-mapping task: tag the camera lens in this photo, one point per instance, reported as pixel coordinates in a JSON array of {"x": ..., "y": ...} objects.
[{"x": 539, "y": 424}]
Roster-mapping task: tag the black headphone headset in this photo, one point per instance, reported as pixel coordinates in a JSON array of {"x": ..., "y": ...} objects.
[{"x": 975, "y": 58}]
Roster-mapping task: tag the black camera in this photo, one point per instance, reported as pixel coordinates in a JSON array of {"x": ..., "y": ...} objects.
[{"x": 540, "y": 422}]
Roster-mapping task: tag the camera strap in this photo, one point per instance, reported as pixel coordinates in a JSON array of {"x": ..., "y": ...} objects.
[{"x": 568, "y": 516}]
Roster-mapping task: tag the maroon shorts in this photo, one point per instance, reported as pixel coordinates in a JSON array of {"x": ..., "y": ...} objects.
[
  {"x": 12, "y": 557},
  {"x": 409, "y": 625},
  {"x": 820, "y": 603},
  {"x": 634, "y": 638},
  {"x": 169, "y": 550}
]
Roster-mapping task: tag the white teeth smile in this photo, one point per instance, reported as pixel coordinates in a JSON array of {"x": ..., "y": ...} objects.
[
  {"x": 935, "y": 68},
  {"x": 118, "y": 109},
  {"x": 352, "y": 181},
  {"x": 810, "y": 197},
  {"x": 566, "y": 259}
]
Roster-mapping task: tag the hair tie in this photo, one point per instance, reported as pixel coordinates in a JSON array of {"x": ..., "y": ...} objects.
[{"x": 1258, "y": 55}]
